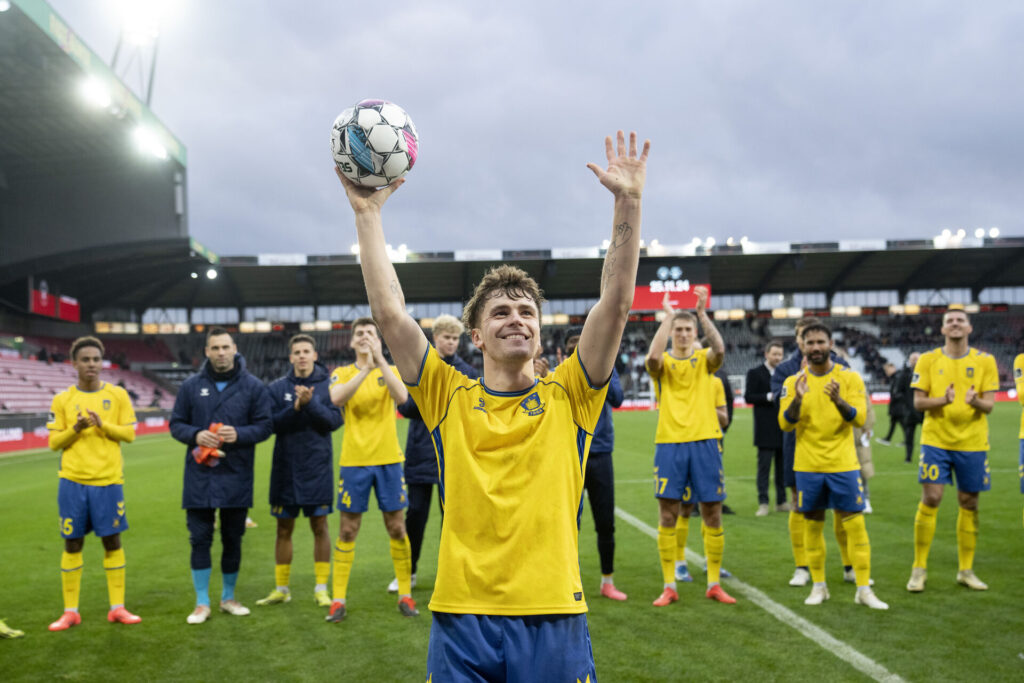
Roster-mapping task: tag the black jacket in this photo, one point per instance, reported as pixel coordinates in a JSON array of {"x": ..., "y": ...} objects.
[{"x": 767, "y": 433}]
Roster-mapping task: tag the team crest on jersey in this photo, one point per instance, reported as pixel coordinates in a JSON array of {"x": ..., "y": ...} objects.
[
  {"x": 106, "y": 404},
  {"x": 693, "y": 362},
  {"x": 53, "y": 415},
  {"x": 1017, "y": 374},
  {"x": 380, "y": 381},
  {"x": 532, "y": 404},
  {"x": 204, "y": 392},
  {"x": 784, "y": 392},
  {"x": 970, "y": 372}
]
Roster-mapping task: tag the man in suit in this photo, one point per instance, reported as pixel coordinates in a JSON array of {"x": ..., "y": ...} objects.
[{"x": 767, "y": 435}]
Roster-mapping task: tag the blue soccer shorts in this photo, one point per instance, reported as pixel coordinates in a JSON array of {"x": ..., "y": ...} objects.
[
  {"x": 940, "y": 466},
  {"x": 293, "y": 511},
  {"x": 387, "y": 481},
  {"x": 823, "y": 490},
  {"x": 86, "y": 508},
  {"x": 539, "y": 648},
  {"x": 690, "y": 471}
]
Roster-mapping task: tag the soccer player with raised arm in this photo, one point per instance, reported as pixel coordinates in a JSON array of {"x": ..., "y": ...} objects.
[
  {"x": 1018, "y": 381},
  {"x": 823, "y": 403},
  {"x": 687, "y": 451},
  {"x": 88, "y": 423},
  {"x": 302, "y": 473},
  {"x": 368, "y": 391},
  {"x": 954, "y": 386},
  {"x": 508, "y": 602}
]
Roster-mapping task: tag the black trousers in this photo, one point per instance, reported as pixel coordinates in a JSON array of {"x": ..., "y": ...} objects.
[
  {"x": 416, "y": 516},
  {"x": 599, "y": 481},
  {"x": 909, "y": 427},
  {"x": 200, "y": 535},
  {"x": 765, "y": 458}
]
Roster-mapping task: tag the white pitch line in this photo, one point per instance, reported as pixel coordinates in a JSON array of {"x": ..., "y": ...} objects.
[{"x": 815, "y": 634}]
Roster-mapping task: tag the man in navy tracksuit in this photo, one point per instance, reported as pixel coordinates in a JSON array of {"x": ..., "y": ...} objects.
[
  {"x": 788, "y": 367},
  {"x": 302, "y": 474},
  {"x": 219, "y": 462},
  {"x": 420, "y": 459}
]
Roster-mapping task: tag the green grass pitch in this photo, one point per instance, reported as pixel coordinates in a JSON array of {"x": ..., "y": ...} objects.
[{"x": 947, "y": 633}]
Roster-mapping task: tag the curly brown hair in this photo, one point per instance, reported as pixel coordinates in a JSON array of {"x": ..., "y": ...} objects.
[{"x": 513, "y": 282}]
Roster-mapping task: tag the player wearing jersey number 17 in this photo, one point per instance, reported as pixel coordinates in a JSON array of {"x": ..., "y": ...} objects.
[
  {"x": 954, "y": 386},
  {"x": 88, "y": 422}
]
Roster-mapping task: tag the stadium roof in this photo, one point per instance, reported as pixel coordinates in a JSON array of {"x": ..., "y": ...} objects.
[{"x": 159, "y": 274}]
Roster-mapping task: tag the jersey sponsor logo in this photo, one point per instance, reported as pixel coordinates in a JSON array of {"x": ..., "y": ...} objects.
[
  {"x": 532, "y": 404},
  {"x": 288, "y": 397},
  {"x": 204, "y": 392},
  {"x": 481, "y": 406},
  {"x": 106, "y": 404},
  {"x": 916, "y": 378},
  {"x": 970, "y": 372}
]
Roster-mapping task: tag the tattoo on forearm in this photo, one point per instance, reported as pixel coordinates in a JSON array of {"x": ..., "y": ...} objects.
[
  {"x": 394, "y": 287},
  {"x": 623, "y": 233}
]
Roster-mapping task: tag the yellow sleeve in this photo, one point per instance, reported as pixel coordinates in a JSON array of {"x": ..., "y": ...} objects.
[
  {"x": 1018, "y": 376},
  {"x": 785, "y": 398},
  {"x": 655, "y": 374},
  {"x": 921, "y": 379},
  {"x": 434, "y": 384},
  {"x": 586, "y": 399},
  {"x": 857, "y": 399},
  {"x": 991, "y": 380},
  {"x": 61, "y": 436},
  {"x": 719, "y": 392}
]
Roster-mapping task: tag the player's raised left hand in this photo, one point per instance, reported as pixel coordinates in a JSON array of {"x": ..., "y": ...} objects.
[
  {"x": 626, "y": 172},
  {"x": 365, "y": 199},
  {"x": 702, "y": 298},
  {"x": 94, "y": 419},
  {"x": 970, "y": 396}
]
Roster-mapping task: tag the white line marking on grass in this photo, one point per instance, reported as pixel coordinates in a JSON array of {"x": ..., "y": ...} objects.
[
  {"x": 814, "y": 633},
  {"x": 39, "y": 451}
]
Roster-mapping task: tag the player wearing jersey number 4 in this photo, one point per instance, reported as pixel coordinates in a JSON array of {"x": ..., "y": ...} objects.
[
  {"x": 511, "y": 449},
  {"x": 954, "y": 386}
]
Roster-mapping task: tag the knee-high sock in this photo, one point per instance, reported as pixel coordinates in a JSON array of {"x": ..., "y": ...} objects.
[
  {"x": 201, "y": 582},
  {"x": 859, "y": 548},
  {"x": 322, "y": 572},
  {"x": 344, "y": 554},
  {"x": 667, "y": 552},
  {"x": 282, "y": 575},
  {"x": 401, "y": 557},
  {"x": 71, "y": 578},
  {"x": 924, "y": 532},
  {"x": 227, "y": 589},
  {"x": 814, "y": 542},
  {"x": 714, "y": 546},
  {"x": 682, "y": 534},
  {"x": 797, "y": 522},
  {"x": 966, "y": 537},
  {"x": 844, "y": 550},
  {"x": 113, "y": 562}
]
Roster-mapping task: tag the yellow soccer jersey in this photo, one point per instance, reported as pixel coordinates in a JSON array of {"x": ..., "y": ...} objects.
[
  {"x": 824, "y": 440},
  {"x": 1018, "y": 379},
  {"x": 719, "y": 392},
  {"x": 957, "y": 426},
  {"x": 93, "y": 458},
  {"x": 511, "y": 466},
  {"x": 685, "y": 390},
  {"x": 370, "y": 436}
]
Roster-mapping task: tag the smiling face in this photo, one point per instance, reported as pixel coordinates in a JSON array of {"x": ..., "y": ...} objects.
[
  {"x": 956, "y": 326},
  {"x": 87, "y": 362},
  {"x": 817, "y": 347},
  {"x": 220, "y": 351},
  {"x": 362, "y": 338},
  {"x": 509, "y": 329}
]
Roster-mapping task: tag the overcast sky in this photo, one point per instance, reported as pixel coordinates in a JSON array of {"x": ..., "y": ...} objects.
[{"x": 795, "y": 121}]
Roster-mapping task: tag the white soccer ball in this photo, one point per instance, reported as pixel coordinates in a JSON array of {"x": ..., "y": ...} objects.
[{"x": 374, "y": 143}]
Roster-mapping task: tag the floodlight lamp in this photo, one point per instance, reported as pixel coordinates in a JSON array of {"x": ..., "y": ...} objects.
[
  {"x": 730, "y": 242},
  {"x": 95, "y": 92},
  {"x": 709, "y": 242},
  {"x": 946, "y": 233},
  {"x": 979, "y": 233},
  {"x": 355, "y": 249},
  {"x": 193, "y": 275},
  {"x": 961, "y": 233},
  {"x": 146, "y": 141},
  {"x": 211, "y": 274},
  {"x": 993, "y": 232},
  {"x": 5, "y": 5},
  {"x": 605, "y": 244}
]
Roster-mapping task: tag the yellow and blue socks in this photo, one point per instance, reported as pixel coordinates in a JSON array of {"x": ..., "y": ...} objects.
[
  {"x": 924, "y": 532},
  {"x": 344, "y": 554},
  {"x": 797, "y": 531},
  {"x": 667, "y": 554},
  {"x": 682, "y": 534},
  {"x": 114, "y": 564},
  {"x": 71, "y": 579},
  {"x": 841, "y": 539},
  {"x": 401, "y": 558},
  {"x": 966, "y": 537},
  {"x": 814, "y": 547},
  {"x": 201, "y": 583},
  {"x": 859, "y": 546}
]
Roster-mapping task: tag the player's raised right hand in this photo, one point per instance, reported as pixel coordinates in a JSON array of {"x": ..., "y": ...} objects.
[
  {"x": 365, "y": 199},
  {"x": 950, "y": 394}
]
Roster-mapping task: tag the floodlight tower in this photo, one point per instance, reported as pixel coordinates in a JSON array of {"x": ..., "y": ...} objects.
[{"x": 138, "y": 38}]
